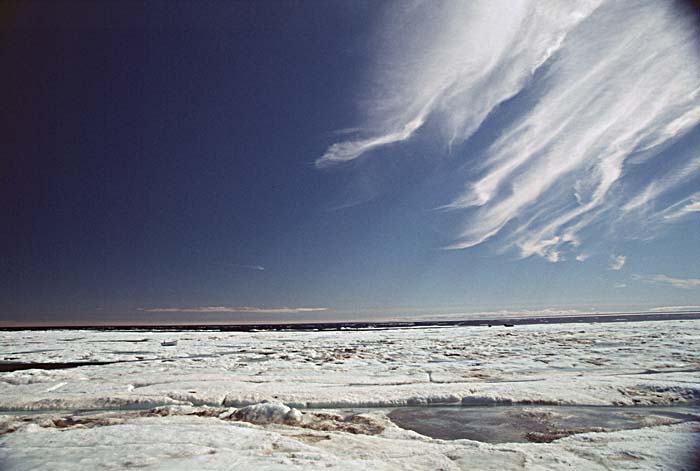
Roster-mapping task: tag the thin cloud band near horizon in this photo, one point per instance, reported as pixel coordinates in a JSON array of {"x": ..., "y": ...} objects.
[{"x": 235, "y": 309}]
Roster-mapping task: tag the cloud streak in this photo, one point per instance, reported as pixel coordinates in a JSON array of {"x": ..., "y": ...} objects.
[
  {"x": 503, "y": 313},
  {"x": 684, "y": 283},
  {"x": 675, "y": 308},
  {"x": 234, "y": 309},
  {"x": 612, "y": 85},
  {"x": 249, "y": 267},
  {"x": 684, "y": 207}
]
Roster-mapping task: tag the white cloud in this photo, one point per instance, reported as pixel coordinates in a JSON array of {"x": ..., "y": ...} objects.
[
  {"x": 239, "y": 265},
  {"x": 350, "y": 150},
  {"x": 607, "y": 93},
  {"x": 617, "y": 262},
  {"x": 665, "y": 184},
  {"x": 675, "y": 308},
  {"x": 684, "y": 207},
  {"x": 620, "y": 285},
  {"x": 504, "y": 313},
  {"x": 448, "y": 61},
  {"x": 232, "y": 309},
  {"x": 252, "y": 267},
  {"x": 609, "y": 81},
  {"x": 685, "y": 283},
  {"x": 582, "y": 257}
]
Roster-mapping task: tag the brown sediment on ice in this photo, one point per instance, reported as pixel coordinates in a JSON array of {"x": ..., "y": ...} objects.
[{"x": 356, "y": 424}]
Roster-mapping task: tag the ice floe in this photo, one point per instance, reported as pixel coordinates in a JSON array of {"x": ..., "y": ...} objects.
[{"x": 275, "y": 400}]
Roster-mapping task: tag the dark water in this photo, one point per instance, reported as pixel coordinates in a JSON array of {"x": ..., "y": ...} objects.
[
  {"x": 8, "y": 366},
  {"x": 508, "y": 424},
  {"x": 474, "y": 321}
]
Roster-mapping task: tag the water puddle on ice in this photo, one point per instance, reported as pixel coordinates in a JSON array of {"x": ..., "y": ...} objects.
[{"x": 508, "y": 424}]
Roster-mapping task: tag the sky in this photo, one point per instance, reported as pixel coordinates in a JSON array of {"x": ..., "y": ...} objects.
[{"x": 212, "y": 161}]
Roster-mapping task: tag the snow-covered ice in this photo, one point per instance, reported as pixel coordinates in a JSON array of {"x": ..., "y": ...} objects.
[
  {"x": 268, "y": 413},
  {"x": 200, "y": 405}
]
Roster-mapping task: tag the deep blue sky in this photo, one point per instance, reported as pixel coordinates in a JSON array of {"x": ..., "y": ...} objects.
[{"x": 158, "y": 161}]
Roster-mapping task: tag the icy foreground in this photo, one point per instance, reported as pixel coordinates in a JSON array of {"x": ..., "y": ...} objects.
[{"x": 199, "y": 405}]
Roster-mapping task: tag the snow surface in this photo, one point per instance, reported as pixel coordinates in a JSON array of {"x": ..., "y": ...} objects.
[
  {"x": 626, "y": 363},
  {"x": 267, "y": 413},
  {"x": 192, "y": 442}
]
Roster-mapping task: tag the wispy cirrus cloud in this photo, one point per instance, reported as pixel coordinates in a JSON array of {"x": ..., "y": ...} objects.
[
  {"x": 611, "y": 85},
  {"x": 449, "y": 61},
  {"x": 251, "y": 267},
  {"x": 234, "y": 309},
  {"x": 684, "y": 283},
  {"x": 240, "y": 265},
  {"x": 682, "y": 208}
]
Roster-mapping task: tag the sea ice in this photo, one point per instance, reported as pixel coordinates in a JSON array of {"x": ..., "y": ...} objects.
[
  {"x": 199, "y": 405},
  {"x": 268, "y": 413}
]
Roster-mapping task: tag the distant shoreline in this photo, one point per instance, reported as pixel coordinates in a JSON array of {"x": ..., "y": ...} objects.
[{"x": 378, "y": 325}]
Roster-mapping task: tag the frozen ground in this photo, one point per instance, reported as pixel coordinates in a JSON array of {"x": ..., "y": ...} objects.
[{"x": 644, "y": 363}]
